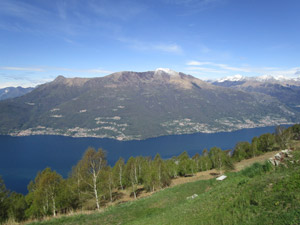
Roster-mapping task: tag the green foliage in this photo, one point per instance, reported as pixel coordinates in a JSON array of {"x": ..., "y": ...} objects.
[
  {"x": 242, "y": 151},
  {"x": 88, "y": 171},
  {"x": 118, "y": 173},
  {"x": 259, "y": 194},
  {"x": 217, "y": 157},
  {"x": 131, "y": 174},
  {"x": 205, "y": 163},
  {"x": 266, "y": 142},
  {"x": 17, "y": 207},
  {"x": 4, "y": 193},
  {"x": 257, "y": 169},
  {"x": 43, "y": 194},
  {"x": 295, "y": 131}
]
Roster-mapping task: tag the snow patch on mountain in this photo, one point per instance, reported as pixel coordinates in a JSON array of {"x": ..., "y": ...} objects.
[
  {"x": 166, "y": 70},
  {"x": 236, "y": 77}
]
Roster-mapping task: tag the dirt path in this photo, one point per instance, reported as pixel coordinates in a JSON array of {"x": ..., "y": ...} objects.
[{"x": 205, "y": 175}]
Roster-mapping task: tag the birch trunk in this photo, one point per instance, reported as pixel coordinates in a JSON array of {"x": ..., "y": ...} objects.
[
  {"x": 95, "y": 190},
  {"x": 53, "y": 205},
  {"x": 121, "y": 177}
]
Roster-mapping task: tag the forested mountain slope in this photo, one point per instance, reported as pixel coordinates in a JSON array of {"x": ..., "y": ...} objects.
[{"x": 133, "y": 105}]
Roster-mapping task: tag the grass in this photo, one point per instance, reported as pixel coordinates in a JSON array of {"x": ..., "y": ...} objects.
[{"x": 259, "y": 194}]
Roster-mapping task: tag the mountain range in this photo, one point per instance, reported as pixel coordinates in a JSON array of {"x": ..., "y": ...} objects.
[
  {"x": 137, "y": 105},
  {"x": 286, "y": 90},
  {"x": 13, "y": 92}
]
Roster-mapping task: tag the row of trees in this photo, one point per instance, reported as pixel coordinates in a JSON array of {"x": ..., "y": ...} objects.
[
  {"x": 281, "y": 139},
  {"x": 92, "y": 183}
]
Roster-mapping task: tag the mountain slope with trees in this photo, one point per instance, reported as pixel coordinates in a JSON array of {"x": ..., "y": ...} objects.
[{"x": 132, "y": 105}]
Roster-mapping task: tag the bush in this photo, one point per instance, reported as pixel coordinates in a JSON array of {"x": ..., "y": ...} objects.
[{"x": 257, "y": 169}]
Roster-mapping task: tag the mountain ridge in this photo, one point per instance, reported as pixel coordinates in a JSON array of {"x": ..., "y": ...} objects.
[
  {"x": 13, "y": 92},
  {"x": 131, "y": 105}
]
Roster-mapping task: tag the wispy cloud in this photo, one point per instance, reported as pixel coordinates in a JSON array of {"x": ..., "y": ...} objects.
[
  {"x": 123, "y": 9},
  {"x": 49, "y": 69},
  {"x": 92, "y": 71},
  {"x": 222, "y": 66},
  {"x": 172, "y": 48},
  {"x": 30, "y": 77},
  {"x": 199, "y": 67},
  {"x": 195, "y": 6},
  {"x": 147, "y": 46},
  {"x": 22, "y": 69},
  {"x": 206, "y": 70}
]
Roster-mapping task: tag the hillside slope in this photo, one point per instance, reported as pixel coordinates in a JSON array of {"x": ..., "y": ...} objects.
[
  {"x": 131, "y": 105},
  {"x": 259, "y": 194}
]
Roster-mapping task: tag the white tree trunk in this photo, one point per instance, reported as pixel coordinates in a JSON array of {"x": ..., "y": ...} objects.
[
  {"x": 95, "y": 190},
  {"x": 121, "y": 177},
  {"x": 53, "y": 205},
  {"x": 133, "y": 189}
]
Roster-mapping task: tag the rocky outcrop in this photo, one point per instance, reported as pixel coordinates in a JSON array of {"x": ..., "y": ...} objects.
[{"x": 281, "y": 157}]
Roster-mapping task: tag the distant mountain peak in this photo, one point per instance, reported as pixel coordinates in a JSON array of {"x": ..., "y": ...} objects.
[{"x": 60, "y": 78}]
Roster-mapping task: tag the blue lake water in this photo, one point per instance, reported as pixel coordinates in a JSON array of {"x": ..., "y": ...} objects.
[{"x": 22, "y": 157}]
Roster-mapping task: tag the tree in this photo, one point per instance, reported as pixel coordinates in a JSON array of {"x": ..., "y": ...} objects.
[
  {"x": 108, "y": 182},
  {"x": 76, "y": 186},
  {"x": 131, "y": 174},
  {"x": 43, "y": 193},
  {"x": 254, "y": 147},
  {"x": 205, "y": 163},
  {"x": 118, "y": 171},
  {"x": 266, "y": 142},
  {"x": 17, "y": 207},
  {"x": 205, "y": 152},
  {"x": 295, "y": 130},
  {"x": 184, "y": 164},
  {"x": 4, "y": 193},
  {"x": 242, "y": 151},
  {"x": 89, "y": 168},
  {"x": 172, "y": 167},
  {"x": 196, "y": 159},
  {"x": 217, "y": 157}
]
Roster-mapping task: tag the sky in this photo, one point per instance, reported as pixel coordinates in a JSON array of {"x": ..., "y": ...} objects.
[{"x": 208, "y": 39}]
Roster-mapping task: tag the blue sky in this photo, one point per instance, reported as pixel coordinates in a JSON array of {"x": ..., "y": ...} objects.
[{"x": 90, "y": 38}]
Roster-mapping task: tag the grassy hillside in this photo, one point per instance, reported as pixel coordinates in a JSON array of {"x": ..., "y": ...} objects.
[{"x": 259, "y": 194}]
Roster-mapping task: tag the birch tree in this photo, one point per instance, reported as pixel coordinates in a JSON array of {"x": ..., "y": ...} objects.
[
  {"x": 44, "y": 192},
  {"x": 89, "y": 168},
  {"x": 131, "y": 174},
  {"x": 118, "y": 171}
]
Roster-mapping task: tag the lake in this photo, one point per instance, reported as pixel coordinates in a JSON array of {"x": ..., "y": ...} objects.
[{"x": 22, "y": 157}]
